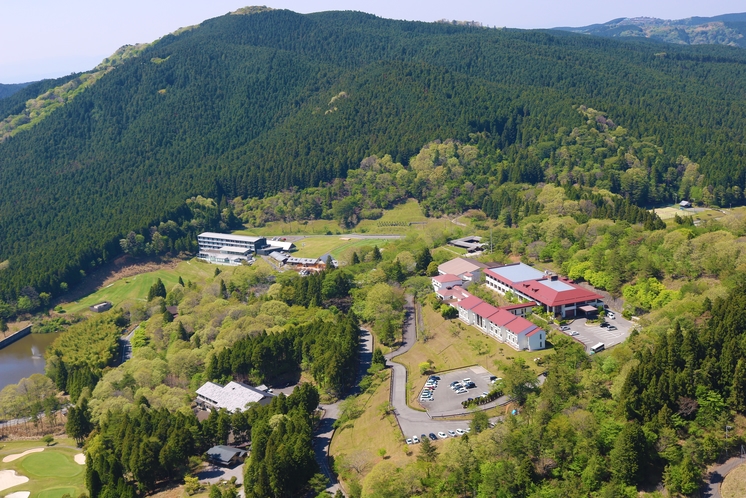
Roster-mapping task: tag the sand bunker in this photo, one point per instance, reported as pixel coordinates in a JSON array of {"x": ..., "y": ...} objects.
[
  {"x": 19, "y": 494},
  {"x": 16, "y": 456},
  {"x": 79, "y": 458},
  {"x": 9, "y": 478}
]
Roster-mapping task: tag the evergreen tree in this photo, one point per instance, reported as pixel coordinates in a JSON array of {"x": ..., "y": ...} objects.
[
  {"x": 423, "y": 260},
  {"x": 181, "y": 281},
  {"x": 428, "y": 451},
  {"x": 355, "y": 258},
  {"x": 627, "y": 458},
  {"x": 377, "y": 254},
  {"x": 378, "y": 358},
  {"x": 217, "y": 271},
  {"x": 157, "y": 290}
]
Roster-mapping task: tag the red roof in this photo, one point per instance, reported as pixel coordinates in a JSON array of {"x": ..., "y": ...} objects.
[
  {"x": 541, "y": 290},
  {"x": 447, "y": 278},
  {"x": 520, "y": 325},
  {"x": 502, "y": 317},
  {"x": 470, "y": 302},
  {"x": 485, "y": 310},
  {"x": 535, "y": 331},
  {"x": 529, "y": 304}
]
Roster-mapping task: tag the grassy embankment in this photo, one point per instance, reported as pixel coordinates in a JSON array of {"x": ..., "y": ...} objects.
[
  {"x": 734, "y": 485},
  {"x": 52, "y": 473},
  {"x": 137, "y": 287},
  {"x": 452, "y": 344},
  {"x": 394, "y": 221}
]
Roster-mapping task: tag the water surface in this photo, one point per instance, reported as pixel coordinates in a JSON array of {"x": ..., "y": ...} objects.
[{"x": 24, "y": 357}]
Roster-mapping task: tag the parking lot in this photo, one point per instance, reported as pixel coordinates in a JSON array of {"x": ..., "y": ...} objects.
[
  {"x": 445, "y": 401},
  {"x": 590, "y": 335}
]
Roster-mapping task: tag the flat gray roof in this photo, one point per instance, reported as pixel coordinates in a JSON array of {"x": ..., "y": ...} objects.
[
  {"x": 230, "y": 236},
  {"x": 557, "y": 285},
  {"x": 518, "y": 273},
  {"x": 233, "y": 397}
]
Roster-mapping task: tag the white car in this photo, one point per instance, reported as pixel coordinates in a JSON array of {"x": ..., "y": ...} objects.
[
  {"x": 610, "y": 314},
  {"x": 451, "y": 433},
  {"x": 415, "y": 439},
  {"x": 442, "y": 435},
  {"x": 460, "y": 432},
  {"x": 461, "y": 391},
  {"x": 466, "y": 380},
  {"x": 574, "y": 333},
  {"x": 409, "y": 441}
]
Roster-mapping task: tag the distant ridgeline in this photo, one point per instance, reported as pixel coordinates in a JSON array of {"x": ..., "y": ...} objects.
[{"x": 251, "y": 105}]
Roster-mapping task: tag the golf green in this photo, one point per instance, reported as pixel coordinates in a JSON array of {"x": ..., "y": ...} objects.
[
  {"x": 56, "y": 493},
  {"x": 50, "y": 464}
]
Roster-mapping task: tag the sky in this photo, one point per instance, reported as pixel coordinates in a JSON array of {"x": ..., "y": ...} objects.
[{"x": 45, "y": 38}]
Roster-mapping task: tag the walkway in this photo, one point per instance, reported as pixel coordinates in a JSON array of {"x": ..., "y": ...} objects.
[{"x": 717, "y": 475}]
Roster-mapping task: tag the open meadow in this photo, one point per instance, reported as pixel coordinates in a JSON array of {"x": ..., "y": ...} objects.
[
  {"x": 136, "y": 287},
  {"x": 52, "y": 472}
]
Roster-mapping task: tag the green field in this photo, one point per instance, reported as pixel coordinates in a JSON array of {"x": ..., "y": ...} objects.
[
  {"x": 137, "y": 287},
  {"x": 52, "y": 473},
  {"x": 313, "y": 247},
  {"x": 50, "y": 464}
]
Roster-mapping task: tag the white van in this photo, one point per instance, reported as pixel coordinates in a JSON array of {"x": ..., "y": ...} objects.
[{"x": 598, "y": 348}]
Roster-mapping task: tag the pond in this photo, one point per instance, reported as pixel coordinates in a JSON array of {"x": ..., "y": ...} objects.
[{"x": 24, "y": 357}]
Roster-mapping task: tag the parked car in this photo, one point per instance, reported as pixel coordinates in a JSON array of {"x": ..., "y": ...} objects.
[
  {"x": 442, "y": 435},
  {"x": 564, "y": 327},
  {"x": 434, "y": 377},
  {"x": 451, "y": 433},
  {"x": 485, "y": 394},
  {"x": 415, "y": 439},
  {"x": 461, "y": 391},
  {"x": 409, "y": 441},
  {"x": 573, "y": 333},
  {"x": 460, "y": 432},
  {"x": 603, "y": 324},
  {"x": 610, "y": 314},
  {"x": 432, "y": 436},
  {"x": 611, "y": 327},
  {"x": 423, "y": 437},
  {"x": 467, "y": 380},
  {"x": 470, "y": 385}
]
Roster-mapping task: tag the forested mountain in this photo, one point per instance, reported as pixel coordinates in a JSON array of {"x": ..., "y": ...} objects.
[
  {"x": 246, "y": 105},
  {"x": 728, "y": 29},
  {"x": 6, "y": 90}
]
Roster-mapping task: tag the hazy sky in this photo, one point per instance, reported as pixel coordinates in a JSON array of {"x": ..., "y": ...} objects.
[{"x": 45, "y": 38}]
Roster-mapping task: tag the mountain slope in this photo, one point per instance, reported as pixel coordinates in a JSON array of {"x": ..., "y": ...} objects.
[
  {"x": 727, "y": 29},
  {"x": 242, "y": 105},
  {"x": 6, "y": 90}
]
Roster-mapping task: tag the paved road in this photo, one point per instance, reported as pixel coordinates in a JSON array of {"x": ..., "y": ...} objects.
[
  {"x": 412, "y": 422},
  {"x": 716, "y": 476},
  {"x": 323, "y": 435}
]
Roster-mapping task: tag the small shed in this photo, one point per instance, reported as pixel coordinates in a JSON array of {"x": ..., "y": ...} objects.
[
  {"x": 101, "y": 307},
  {"x": 226, "y": 456},
  {"x": 685, "y": 204}
]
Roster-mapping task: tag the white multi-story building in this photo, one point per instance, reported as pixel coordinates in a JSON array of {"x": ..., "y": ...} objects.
[{"x": 228, "y": 249}]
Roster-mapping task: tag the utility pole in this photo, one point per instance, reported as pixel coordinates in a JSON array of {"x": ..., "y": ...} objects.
[
  {"x": 726, "y": 440},
  {"x": 492, "y": 250}
]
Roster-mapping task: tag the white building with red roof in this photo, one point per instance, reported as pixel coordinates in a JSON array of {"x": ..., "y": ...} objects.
[
  {"x": 558, "y": 296},
  {"x": 446, "y": 281}
]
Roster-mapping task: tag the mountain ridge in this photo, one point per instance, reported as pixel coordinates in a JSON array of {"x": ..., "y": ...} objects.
[
  {"x": 725, "y": 29},
  {"x": 240, "y": 106}
]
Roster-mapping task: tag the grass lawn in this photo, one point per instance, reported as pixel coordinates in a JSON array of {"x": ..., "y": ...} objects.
[
  {"x": 452, "y": 344},
  {"x": 314, "y": 247},
  {"x": 364, "y": 436},
  {"x": 137, "y": 287},
  {"x": 734, "y": 485},
  {"x": 52, "y": 473}
]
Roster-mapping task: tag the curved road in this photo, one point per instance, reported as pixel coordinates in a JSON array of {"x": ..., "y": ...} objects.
[
  {"x": 412, "y": 422},
  {"x": 717, "y": 475}
]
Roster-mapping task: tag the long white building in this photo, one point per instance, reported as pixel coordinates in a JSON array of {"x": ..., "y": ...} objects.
[{"x": 228, "y": 249}]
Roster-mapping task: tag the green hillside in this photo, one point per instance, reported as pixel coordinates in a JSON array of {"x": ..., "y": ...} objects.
[{"x": 246, "y": 105}]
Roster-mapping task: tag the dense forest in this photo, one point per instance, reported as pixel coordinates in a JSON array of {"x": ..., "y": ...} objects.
[
  {"x": 6, "y": 90},
  {"x": 246, "y": 105}
]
